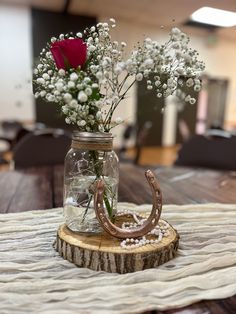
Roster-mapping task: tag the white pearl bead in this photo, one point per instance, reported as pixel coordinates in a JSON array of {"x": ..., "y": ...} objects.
[{"x": 159, "y": 231}]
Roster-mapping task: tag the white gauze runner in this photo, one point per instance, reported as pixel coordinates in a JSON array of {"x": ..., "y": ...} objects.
[{"x": 35, "y": 279}]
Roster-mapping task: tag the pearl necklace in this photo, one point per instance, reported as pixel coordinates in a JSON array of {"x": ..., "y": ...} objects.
[{"x": 159, "y": 231}]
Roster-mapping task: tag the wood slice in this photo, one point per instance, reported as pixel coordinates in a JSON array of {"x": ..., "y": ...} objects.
[{"x": 103, "y": 252}]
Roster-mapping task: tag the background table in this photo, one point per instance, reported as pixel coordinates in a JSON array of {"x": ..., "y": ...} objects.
[{"x": 42, "y": 188}]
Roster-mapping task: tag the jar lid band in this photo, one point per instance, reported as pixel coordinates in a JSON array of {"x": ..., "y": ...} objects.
[{"x": 106, "y": 146}]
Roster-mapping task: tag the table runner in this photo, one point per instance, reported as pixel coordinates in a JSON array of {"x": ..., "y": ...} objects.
[{"x": 35, "y": 279}]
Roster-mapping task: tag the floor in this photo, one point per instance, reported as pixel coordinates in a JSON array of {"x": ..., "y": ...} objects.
[
  {"x": 7, "y": 156},
  {"x": 155, "y": 155}
]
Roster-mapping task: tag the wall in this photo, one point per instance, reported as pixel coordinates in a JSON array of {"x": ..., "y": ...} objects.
[{"x": 16, "y": 101}]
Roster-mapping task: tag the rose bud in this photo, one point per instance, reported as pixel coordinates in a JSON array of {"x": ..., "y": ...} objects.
[{"x": 69, "y": 53}]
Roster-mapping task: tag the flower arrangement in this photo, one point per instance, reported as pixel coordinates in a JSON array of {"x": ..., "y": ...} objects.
[{"x": 88, "y": 75}]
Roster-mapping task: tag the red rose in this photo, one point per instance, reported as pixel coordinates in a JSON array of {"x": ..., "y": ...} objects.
[{"x": 69, "y": 53}]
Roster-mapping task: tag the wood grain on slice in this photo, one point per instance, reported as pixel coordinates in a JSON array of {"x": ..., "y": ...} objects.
[{"x": 103, "y": 252}]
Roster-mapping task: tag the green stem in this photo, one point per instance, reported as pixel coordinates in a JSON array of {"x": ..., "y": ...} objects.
[
  {"x": 87, "y": 207},
  {"x": 98, "y": 172},
  {"x": 113, "y": 108},
  {"x": 108, "y": 206}
]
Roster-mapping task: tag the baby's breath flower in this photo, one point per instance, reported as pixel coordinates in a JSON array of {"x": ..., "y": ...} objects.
[
  {"x": 99, "y": 75},
  {"x": 64, "y": 109},
  {"x": 43, "y": 93},
  {"x": 51, "y": 98},
  {"x": 59, "y": 86},
  {"x": 81, "y": 123},
  {"x": 88, "y": 91},
  {"x": 53, "y": 39},
  {"x": 112, "y": 20},
  {"x": 190, "y": 82},
  {"x": 62, "y": 72},
  {"x": 82, "y": 97},
  {"x": 188, "y": 98},
  {"x": 197, "y": 88},
  {"x": 91, "y": 48},
  {"x": 99, "y": 115},
  {"x": 192, "y": 101},
  {"x": 68, "y": 120},
  {"x": 117, "y": 69},
  {"x": 80, "y": 86},
  {"x": 73, "y": 103},
  {"x": 89, "y": 94},
  {"x": 48, "y": 54},
  {"x": 67, "y": 97},
  {"x": 46, "y": 76},
  {"x": 139, "y": 77},
  {"x": 87, "y": 79},
  {"x": 73, "y": 76},
  {"x": 71, "y": 84},
  {"x": 119, "y": 120},
  {"x": 175, "y": 31},
  {"x": 40, "y": 80}
]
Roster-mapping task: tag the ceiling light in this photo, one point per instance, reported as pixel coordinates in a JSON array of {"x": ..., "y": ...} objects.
[{"x": 214, "y": 16}]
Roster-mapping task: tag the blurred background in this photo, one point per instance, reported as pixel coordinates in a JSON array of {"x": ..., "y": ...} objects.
[{"x": 150, "y": 135}]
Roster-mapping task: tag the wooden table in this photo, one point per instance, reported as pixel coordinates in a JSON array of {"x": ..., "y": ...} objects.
[{"x": 42, "y": 188}]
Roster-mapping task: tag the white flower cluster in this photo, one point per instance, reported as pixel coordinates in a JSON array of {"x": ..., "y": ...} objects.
[
  {"x": 166, "y": 67},
  {"x": 89, "y": 95},
  {"x": 71, "y": 89}
]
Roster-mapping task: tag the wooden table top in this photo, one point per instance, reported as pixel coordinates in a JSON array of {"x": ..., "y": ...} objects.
[{"x": 42, "y": 188}]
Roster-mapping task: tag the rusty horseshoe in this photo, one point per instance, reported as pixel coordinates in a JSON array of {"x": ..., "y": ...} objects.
[{"x": 147, "y": 226}]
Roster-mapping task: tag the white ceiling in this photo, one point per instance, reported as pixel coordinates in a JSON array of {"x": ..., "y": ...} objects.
[{"x": 155, "y": 12}]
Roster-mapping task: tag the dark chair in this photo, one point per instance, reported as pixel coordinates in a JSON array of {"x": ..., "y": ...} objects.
[
  {"x": 9, "y": 130},
  {"x": 41, "y": 147},
  {"x": 127, "y": 135},
  {"x": 142, "y": 134},
  {"x": 20, "y": 134},
  {"x": 11, "y": 125},
  {"x": 208, "y": 152},
  {"x": 131, "y": 131}
]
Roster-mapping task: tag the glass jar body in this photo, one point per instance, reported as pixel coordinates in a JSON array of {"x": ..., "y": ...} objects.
[{"x": 83, "y": 166}]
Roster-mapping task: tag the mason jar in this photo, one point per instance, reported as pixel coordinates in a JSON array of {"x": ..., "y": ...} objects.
[{"x": 90, "y": 158}]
